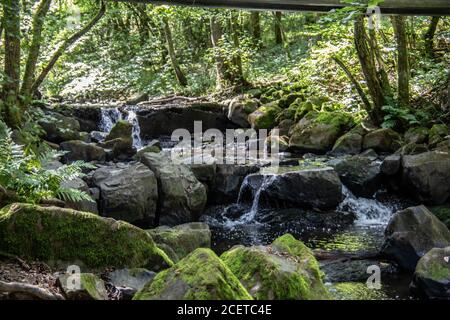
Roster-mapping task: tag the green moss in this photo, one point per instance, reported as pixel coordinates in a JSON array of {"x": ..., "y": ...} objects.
[
  {"x": 265, "y": 117},
  {"x": 122, "y": 129},
  {"x": 339, "y": 120},
  {"x": 53, "y": 234},
  {"x": 356, "y": 291},
  {"x": 443, "y": 213},
  {"x": 93, "y": 285},
  {"x": 438, "y": 132},
  {"x": 199, "y": 276},
  {"x": 285, "y": 270}
]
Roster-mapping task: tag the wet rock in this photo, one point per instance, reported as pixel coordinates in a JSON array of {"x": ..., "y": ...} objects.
[
  {"x": 411, "y": 233},
  {"x": 432, "y": 276},
  {"x": 181, "y": 240},
  {"x": 128, "y": 192},
  {"x": 152, "y": 146},
  {"x": 82, "y": 286},
  {"x": 129, "y": 281},
  {"x": 199, "y": 276},
  {"x": 349, "y": 143},
  {"x": 205, "y": 173},
  {"x": 182, "y": 196},
  {"x": 427, "y": 176},
  {"x": 53, "y": 234},
  {"x": 264, "y": 117},
  {"x": 59, "y": 128},
  {"x": 285, "y": 270},
  {"x": 79, "y": 150},
  {"x": 228, "y": 182},
  {"x": 382, "y": 140},
  {"x": 360, "y": 174},
  {"x": 391, "y": 165},
  {"x": 317, "y": 188},
  {"x": 354, "y": 270},
  {"x": 98, "y": 136}
]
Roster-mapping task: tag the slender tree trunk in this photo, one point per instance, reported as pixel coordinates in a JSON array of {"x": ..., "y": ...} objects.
[
  {"x": 216, "y": 36},
  {"x": 33, "y": 54},
  {"x": 65, "y": 45},
  {"x": 11, "y": 22},
  {"x": 256, "y": 27},
  {"x": 238, "y": 75},
  {"x": 278, "y": 28},
  {"x": 368, "y": 66},
  {"x": 403, "y": 72},
  {"x": 173, "y": 59},
  {"x": 429, "y": 37}
]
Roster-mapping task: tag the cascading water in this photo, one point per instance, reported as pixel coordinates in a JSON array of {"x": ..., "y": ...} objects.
[
  {"x": 132, "y": 118},
  {"x": 110, "y": 116}
]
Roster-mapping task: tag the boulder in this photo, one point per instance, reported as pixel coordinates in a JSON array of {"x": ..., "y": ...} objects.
[
  {"x": 264, "y": 117},
  {"x": 391, "y": 165},
  {"x": 128, "y": 192},
  {"x": 417, "y": 135},
  {"x": 199, "y": 276},
  {"x": 120, "y": 140},
  {"x": 411, "y": 233},
  {"x": 59, "y": 128},
  {"x": 427, "y": 176},
  {"x": 360, "y": 174},
  {"x": 382, "y": 140},
  {"x": 182, "y": 196},
  {"x": 129, "y": 281},
  {"x": 432, "y": 276},
  {"x": 54, "y": 234},
  {"x": 181, "y": 240},
  {"x": 438, "y": 132},
  {"x": 285, "y": 270},
  {"x": 284, "y": 127},
  {"x": 443, "y": 213},
  {"x": 411, "y": 149},
  {"x": 82, "y": 286},
  {"x": 79, "y": 150},
  {"x": 318, "y": 132},
  {"x": 238, "y": 111},
  {"x": 349, "y": 143},
  {"x": 228, "y": 182},
  {"x": 314, "y": 188},
  {"x": 97, "y": 136}
]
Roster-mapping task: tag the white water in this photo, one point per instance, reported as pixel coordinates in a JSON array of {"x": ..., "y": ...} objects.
[
  {"x": 369, "y": 212},
  {"x": 110, "y": 116}
]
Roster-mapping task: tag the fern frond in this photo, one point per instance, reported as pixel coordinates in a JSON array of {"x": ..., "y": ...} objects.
[{"x": 73, "y": 195}]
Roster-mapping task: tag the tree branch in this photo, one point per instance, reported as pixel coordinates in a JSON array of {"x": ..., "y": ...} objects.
[
  {"x": 35, "y": 291},
  {"x": 66, "y": 44}
]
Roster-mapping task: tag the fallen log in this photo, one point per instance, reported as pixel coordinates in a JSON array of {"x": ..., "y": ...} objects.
[{"x": 29, "y": 289}]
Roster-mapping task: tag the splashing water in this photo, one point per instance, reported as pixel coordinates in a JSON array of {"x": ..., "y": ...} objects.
[
  {"x": 369, "y": 212},
  {"x": 109, "y": 117},
  {"x": 132, "y": 118}
]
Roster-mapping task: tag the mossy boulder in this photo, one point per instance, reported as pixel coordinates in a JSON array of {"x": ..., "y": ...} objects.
[
  {"x": 317, "y": 132},
  {"x": 417, "y": 135},
  {"x": 411, "y": 233},
  {"x": 264, "y": 117},
  {"x": 382, "y": 140},
  {"x": 349, "y": 143},
  {"x": 122, "y": 129},
  {"x": 59, "y": 128},
  {"x": 438, "y": 132},
  {"x": 289, "y": 99},
  {"x": 80, "y": 150},
  {"x": 181, "y": 240},
  {"x": 285, "y": 270},
  {"x": 199, "y": 276},
  {"x": 54, "y": 234},
  {"x": 120, "y": 140},
  {"x": 82, "y": 286},
  {"x": 443, "y": 213},
  {"x": 432, "y": 276}
]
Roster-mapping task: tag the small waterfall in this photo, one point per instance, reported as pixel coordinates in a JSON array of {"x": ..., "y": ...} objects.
[
  {"x": 369, "y": 212},
  {"x": 109, "y": 116},
  {"x": 132, "y": 118}
]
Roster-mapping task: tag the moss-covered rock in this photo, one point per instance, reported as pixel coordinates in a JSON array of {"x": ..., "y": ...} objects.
[
  {"x": 349, "y": 143},
  {"x": 120, "y": 140},
  {"x": 432, "y": 275},
  {"x": 288, "y": 99},
  {"x": 264, "y": 117},
  {"x": 438, "y": 132},
  {"x": 417, "y": 135},
  {"x": 59, "y": 128},
  {"x": 382, "y": 140},
  {"x": 181, "y": 240},
  {"x": 285, "y": 270},
  {"x": 443, "y": 213},
  {"x": 54, "y": 234},
  {"x": 80, "y": 150},
  {"x": 122, "y": 129},
  {"x": 199, "y": 276},
  {"x": 82, "y": 286}
]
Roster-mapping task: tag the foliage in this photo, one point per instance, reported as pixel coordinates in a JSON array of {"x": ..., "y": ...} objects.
[{"x": 29, "y": 177}]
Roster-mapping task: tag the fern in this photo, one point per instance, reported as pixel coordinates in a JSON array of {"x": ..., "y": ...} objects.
[{"x": 27, "y": 174}]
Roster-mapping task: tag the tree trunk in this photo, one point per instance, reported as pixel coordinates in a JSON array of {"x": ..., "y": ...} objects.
[
  {"x": 256, "y": 27},
  {"x": 222, "y": 75},
  {"x": 429, "y": 37},
  {"x": 277, "y": 28},
  {"x": 368, "y": 66},
  {"x": 11, "y": 22},
  {"x": 33, "y": 55},
  {"x": 237, "y": 73},
  {"x": 403, "y": 73},
  {"x": 173, "y": 59},
  {"x": 65, "y": 45}
]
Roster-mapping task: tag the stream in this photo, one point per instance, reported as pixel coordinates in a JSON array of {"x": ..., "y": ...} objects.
[{"x": 355, "y": 227}]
